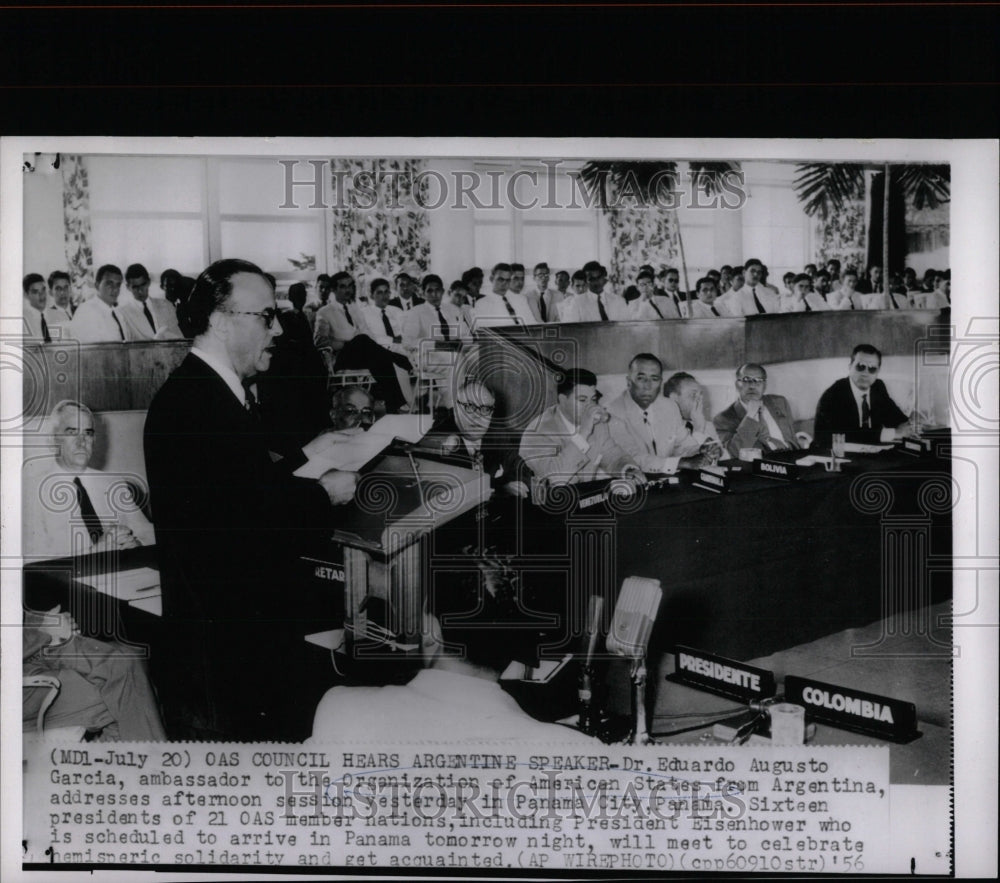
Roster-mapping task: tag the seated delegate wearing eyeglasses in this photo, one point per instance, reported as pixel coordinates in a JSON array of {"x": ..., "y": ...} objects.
[
  {"x": 465, "y": 434},
  {"x": 570, "y": 442},
  {"x": 755, "y": 420},
  {"x": 858, "y": 405},
  {"x": 351, "y": 410}
]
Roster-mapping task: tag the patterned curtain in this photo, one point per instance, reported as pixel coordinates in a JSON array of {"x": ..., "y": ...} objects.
[
  {"x": 843, "y": 235},
  {"x": 76, "y": 224},
  {"x": 641, "y": 236},
  {"x": 392, "y": 235}
]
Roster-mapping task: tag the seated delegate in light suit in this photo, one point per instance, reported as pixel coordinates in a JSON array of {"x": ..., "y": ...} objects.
[
  {"x": 570, "y": 441},
  {"x": 755, "y": 420},
  {"x": 858, "y": 405},
  {"x": 475, "y": 622},
  {"x": 645, "y": 424},
  {"x": 62, "y": 490}
]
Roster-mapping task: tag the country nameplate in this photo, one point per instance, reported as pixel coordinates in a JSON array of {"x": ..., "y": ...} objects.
[
  {"x": 712, "y": 478},
  {"x": 717, "y": 674},
  {"x": 870, "y": 713},
  {"x": 776, "y": 469},
  {"x": 916, "y": 447}
]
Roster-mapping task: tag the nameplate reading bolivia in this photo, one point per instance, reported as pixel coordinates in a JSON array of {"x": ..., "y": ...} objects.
[
  {"x": 776, "y": 469},
  {"x": 717, "y": 674},
  {"x": 868, "y": 713}
]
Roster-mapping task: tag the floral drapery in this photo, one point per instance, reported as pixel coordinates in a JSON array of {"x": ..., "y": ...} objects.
[
  {"x": 641, "y": 236},
  {"x": 843, "y": 235},
  {"x": 390, "y": 236},
  {"x": 76, "y": 224}
]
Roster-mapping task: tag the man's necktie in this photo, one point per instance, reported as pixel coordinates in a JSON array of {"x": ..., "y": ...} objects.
[
  {"x": 149, "y": 317},
  {"x": 892, "y": 301},
  {"x": 510, "y": 309},
  {"x": 347, "y": 313},
  {"x": 689, "y": 426},
  {"x": 251, "y": 404},
  {"x": 90, "y": 520},
  {"x": 715, "y": 312},
  {"x": 387, "y": 324},
  {"x": 645, "y": 421},
  {"x": 45, "y": 331},
  {"x": 445, "y": 334},
  {"x": 121, "y": 330},
  {"x": 850, "y": 300},
  {"x": 601, "y": 310},
  {"x": 652, "y": 303},
  {"x": 809, "y": 309},
  {"x": 866, "y": 413},
  {"x": 756, "y": 300}
]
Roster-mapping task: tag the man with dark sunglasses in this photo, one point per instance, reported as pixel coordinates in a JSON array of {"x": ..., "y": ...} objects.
[{"x": 858, "y": 405}]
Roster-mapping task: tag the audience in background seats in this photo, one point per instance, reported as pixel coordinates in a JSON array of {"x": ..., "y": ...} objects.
[
  {"x": 542, "y": 300},
  {"x": 97, "y": 320},
  {"x": 36, "y": 326},
  {"x": 872, "y": 282},
  {"x": 472, "y": 279},
  {"x": 146, "y": 318},
  {"x": 562, "y": 282},
  {"x": 501, "y": 307},
  {"x": 59, "y": 312},
  {"x": 939, "y": 298},
  {"x": 406, "y": 293},
  {"x": 648, "y": 304}
]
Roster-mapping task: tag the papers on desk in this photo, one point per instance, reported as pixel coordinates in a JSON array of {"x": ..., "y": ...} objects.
[
  {"x": 856, "y": 448},
  {"x": 814, "y": 459},
  {"x": 125, "y": 585},
  {"x": 350, "y": 451}
]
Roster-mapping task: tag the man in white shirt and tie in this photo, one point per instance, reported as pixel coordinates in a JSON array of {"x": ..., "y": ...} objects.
[
  {"x": 542, "y": 300},
  {"x": 672, "y": 289},
  {"x": 406, "y": 293},
  {"x": 752, "y": 298},
  {"x": 35, "y": 325},
  {"x": 802, "y": 298},
  {"x": 706, "y": 305},
  {"x": 146, "y": 318},
  {"x": 649, "y": 304},
  {"x": 384, "y": 321},
  {"x": 502, "y": 307},
  {"x": 97, "y": 320},
  {"x": 59, "y": 312},
  {"x": 650, "y": 428},
  {"x": 595, "y": 304}
]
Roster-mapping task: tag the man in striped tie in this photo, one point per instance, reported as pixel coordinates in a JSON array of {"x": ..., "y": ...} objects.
[
  {"x": 97, "y": 319},
  {"x": 144, "y": 317}
]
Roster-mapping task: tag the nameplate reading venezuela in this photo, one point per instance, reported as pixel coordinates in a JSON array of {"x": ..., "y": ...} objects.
[
  {"x": 729, "y": 678},
  {"x": 868, "y": 713},
  {"x": 776, "y": 469}
]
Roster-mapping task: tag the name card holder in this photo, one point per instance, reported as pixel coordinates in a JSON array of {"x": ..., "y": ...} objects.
[
  {"x": 869, "y": 713},
  {"x": 914, "y": 446},
  {"x": 779, "y": 470},
  {"x": 712, "y": 478},
  {"x": 725, "y": 677}
]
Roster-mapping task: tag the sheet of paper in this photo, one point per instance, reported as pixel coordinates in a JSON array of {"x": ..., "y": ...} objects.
[
  {"x": 126, "y": 585},
  {"x": 858, "y": 448},
  {"x": 153, "y": 605},
  {"x": 351, "y": 452}
]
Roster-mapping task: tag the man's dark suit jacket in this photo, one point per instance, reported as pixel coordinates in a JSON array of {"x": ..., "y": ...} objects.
[
  {"x": 735, "y": 434},
  {"x": 837, "y": 411},
  {"x": 398, "y": 303},
  {"x": 229, "y": 525},
  {"x": 499, "y": 452}
]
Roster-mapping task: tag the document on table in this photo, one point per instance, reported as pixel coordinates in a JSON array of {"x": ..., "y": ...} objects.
[{"x": 125, "y": 585}]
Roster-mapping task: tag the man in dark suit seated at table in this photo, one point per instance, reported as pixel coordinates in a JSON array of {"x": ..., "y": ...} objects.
[
  {"x": 466, "y": 434},
  {"x": 755, "y": 420},
  {"x": 231, "y": 523},
  {"x": 858, "y": 405},
  {"x": 570, "y": 442}
]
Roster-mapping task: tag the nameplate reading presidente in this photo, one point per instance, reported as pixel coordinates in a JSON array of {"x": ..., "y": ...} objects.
[
  {"x": 776, "y": 469},
  {"x": 717, "y": 674},
  {"x": 868, "y": 713}
]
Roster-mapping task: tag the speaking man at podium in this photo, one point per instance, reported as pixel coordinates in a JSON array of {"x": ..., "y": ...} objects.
[{"x": 230, "y": 522}]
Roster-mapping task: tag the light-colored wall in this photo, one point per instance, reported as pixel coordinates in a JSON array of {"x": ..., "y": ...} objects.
[{"x": 43, "y": 224}]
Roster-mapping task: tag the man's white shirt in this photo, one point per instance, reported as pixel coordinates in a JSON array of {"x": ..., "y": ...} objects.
[
  {"x": 490, "y": 310},
  {"x": 164, "y": 315},
  {"x": 94, "y": 322},
  {"x": 655, "y": 307},
  {"x": 585, "y": 308}
]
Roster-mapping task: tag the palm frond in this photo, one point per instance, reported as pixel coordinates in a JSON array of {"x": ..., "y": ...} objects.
[
  {"x": 642, "y": 179},
  {"x": 708, "y": 176},
  {"x": 924, "y": 185},
  {"x": 826, "y": 187}
]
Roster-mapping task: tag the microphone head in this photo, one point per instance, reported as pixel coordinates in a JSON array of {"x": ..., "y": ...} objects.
[{"x": 634, "y": 616}]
